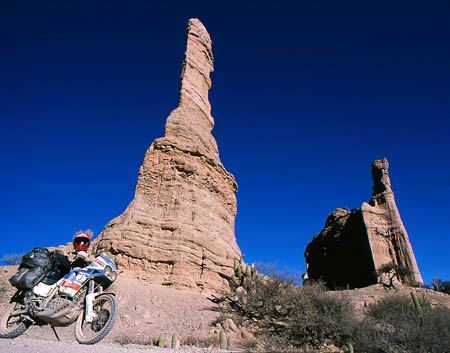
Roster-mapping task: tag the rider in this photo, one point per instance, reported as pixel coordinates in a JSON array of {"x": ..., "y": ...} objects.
[
  {"x": 79, "y": 257},
  {"x": 81, "y": 244}
]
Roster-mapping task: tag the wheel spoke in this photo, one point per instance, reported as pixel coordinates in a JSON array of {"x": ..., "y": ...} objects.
[
  {"x": 11, "y": 322},
  {"x": 105, "y": 309}
]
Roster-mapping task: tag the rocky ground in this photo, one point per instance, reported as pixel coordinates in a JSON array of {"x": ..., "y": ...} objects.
[
  {"x": 34, "y": 345},
  {"x": 147, "y": 311}
]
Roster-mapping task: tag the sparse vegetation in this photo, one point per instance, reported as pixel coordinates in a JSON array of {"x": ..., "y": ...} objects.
[
  {"x": 282, "y": 314},
  {"x": 394, "y": 325},
  {"x": 159, "y": 341},
  {"x": 11, "y": 259},
  {"x": 124, "y": 340},
  {"x": 286, "y": 317},
  {"x": 387, "y": 273},
  {"x": 441, "y": 286},
  {"x": 200, "y": 341}
]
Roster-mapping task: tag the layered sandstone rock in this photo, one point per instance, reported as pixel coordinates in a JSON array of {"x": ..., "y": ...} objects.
[
  {"x": 354, "y": 244},
  {"x": 179, "y": 229}
]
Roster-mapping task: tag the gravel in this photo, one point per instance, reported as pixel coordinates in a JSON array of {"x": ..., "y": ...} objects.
[{"x": 31, "y": 345}]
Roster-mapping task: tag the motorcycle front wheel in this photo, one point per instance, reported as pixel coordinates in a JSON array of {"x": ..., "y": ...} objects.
[
  {"x": 12, "y": 325},
  {"x": 106, "y": 309}
]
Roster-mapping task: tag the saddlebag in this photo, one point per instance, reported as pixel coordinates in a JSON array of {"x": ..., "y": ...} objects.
[
  {"x": 32, "y": 269},
  {"x": 26, "y": 278}
]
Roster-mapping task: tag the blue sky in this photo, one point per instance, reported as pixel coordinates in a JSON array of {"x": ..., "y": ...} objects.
[{"x": 306, "y": 94}]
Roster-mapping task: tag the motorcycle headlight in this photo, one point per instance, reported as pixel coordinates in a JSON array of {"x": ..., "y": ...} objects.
[{"x": 110, "y": 273}]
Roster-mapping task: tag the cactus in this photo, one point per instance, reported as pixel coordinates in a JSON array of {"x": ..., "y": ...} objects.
[
  {"x": 239, "y": 272},
  {"x": 174, "y": 341},
  {"x": 161, "y": 341},
  {"x": 435, "y": 284},
  {"x": 222, "y": 340},
  {"x": 235, "y": 280},
  {"x": 235, "y": 265},
  {"x": 229, "y": 344},
  {"x": 418, "y": 307},
  {"x": 243, "y": 275}
]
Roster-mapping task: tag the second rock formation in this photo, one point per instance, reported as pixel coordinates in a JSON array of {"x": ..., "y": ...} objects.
[{"x": 354, "y": 244}]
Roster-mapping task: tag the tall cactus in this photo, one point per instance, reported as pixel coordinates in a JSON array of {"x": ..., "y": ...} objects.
[
  {"x": 174, "y": 341},
  {"x": 243, "y": 275},
  {"x": 222, "y": 340},
  {"x": 229, "y": 344},
  {"x": 435, "y": 284},
  {"x": 418, "y": 307},
  {"x": 161, "y": 341}
]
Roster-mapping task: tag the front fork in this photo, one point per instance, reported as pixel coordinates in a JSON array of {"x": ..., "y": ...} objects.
[{"x": 90, "y": 297}]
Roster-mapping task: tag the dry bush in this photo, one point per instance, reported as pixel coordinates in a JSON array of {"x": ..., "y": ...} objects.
[
  {"x": 204, "y": 342},
  {"x": 125, "y": 340},
  {"x": 320, "y": 317},
  {"x": 393, "y": 326},
  {"x": 441, "y": 286},
  {"x": 391, "y": 271},
  {"x": 11, "y": 259},
  {"x": 249, "y": 345},
  {"x": 285, "y": 316}
]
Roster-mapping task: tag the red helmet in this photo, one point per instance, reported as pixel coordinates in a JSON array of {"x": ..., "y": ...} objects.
[{"x": 81, "y": 241}]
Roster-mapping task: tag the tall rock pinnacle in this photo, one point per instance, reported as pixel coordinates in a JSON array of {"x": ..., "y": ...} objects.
[
  {"x": 179, "y": 229},
  {"x": 387, "y": 235},
  {"x": 190, "y": 125},
  {"x": 354, "y": 244}
]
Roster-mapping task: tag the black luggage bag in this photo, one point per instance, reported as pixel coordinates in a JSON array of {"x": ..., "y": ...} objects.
[
  {"x": 32, "y": 269},
  {"x": 27, "y": 278}
]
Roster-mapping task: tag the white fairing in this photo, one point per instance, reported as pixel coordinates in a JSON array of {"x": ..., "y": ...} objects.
[{"x": 43, "y": 289}]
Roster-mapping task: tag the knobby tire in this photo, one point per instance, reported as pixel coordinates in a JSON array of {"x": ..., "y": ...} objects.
[
  {"x": 81, "y": 337},
  {"x": 14, "y": 331}
]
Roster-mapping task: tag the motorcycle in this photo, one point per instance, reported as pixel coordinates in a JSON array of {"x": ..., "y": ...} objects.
[{"x": 79, "y": 296}]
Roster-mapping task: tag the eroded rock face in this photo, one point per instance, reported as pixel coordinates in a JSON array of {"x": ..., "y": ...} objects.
[
  {"x": 353, "y": 244},
  {"x": 388, "y": 238},
  {"x": 179, "y": 229}
]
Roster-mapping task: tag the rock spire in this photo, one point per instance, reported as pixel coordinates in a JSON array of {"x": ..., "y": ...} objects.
[
  {"x": 388, "y": 239},
  {"x": 179, "y": 229},
  {"x": 354, "y": 244}
]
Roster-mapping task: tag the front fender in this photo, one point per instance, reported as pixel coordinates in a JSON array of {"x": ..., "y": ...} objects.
[{"x": 105, "y": 292}]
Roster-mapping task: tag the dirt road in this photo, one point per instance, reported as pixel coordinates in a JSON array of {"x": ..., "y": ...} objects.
[{"x": 33, "y": 345}]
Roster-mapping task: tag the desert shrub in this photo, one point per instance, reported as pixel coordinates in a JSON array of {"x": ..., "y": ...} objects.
[
  {"x": 388, "y": 272},
  {"x": 204, "y": 342},
  {"x": 283, "y": 314},
  {"x": 320, "y": 316},
  {"x": 124, "y": 340},
  {"x": 393, "y": 325},
  {"x": 441, "y": 286},
  {"x": 11, "y": 259}
]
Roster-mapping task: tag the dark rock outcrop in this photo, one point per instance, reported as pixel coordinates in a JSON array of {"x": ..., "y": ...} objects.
[{"x": 354, "y": 244}]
